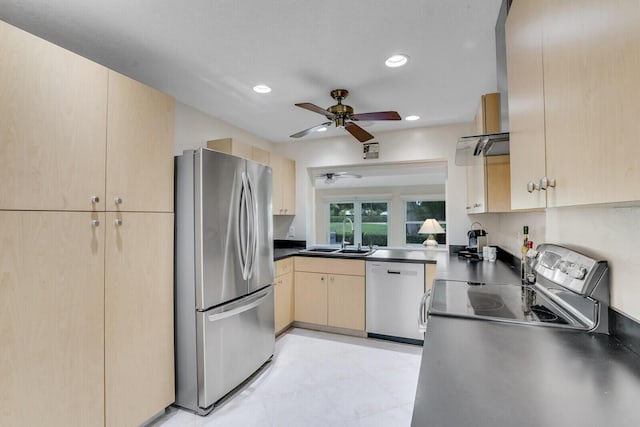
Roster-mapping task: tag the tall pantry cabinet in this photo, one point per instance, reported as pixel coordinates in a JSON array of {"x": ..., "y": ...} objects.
[{"x": 86, "y": 228}]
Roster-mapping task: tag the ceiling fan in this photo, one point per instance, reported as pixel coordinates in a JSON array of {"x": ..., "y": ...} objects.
[
  {"x": 331, "y": 177},
  {"x": 342, "y": 115}
]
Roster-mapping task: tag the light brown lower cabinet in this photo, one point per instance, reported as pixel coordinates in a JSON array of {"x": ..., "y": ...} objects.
[
  {"x": 283, "y": 297},
  {"x": 139, "y": 358},
  {"x": 345, "y": 301},
  {"x": 51, "y": 319},
  {"x": 330, "y": 292},
  {"x": 311, "y": 297}
]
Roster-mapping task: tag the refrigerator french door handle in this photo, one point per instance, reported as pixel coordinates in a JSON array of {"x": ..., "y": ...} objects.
[
  {"x": 253, "y": 231},
  {"x": 243, "y": 227},
  {"x": 251, "y": 302}
]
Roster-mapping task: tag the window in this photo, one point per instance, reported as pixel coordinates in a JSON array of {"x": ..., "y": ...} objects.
[
  {"x": 370, "y": 223},
  {"x": 416, "y": 212}
]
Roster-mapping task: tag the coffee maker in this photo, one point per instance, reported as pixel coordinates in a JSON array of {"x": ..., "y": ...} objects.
[{"x": 477, "y": 240}]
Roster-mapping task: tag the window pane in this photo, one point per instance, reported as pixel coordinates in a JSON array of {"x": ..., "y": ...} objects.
[
  {"x": 417, "y": 212},
  {"x": 375, "y": 227},
  {"x": 337, "y": 214},
  {"x": 421, "y": 210}
]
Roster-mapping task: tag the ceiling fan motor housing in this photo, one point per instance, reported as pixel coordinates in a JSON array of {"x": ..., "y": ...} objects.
[{"x": 340, "y": 111}]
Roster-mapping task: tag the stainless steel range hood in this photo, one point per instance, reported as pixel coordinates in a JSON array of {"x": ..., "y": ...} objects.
[{"x": 469, "y": 148}]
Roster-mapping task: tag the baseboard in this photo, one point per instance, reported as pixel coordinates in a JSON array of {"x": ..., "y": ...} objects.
[{"x": 331, "y": 329}]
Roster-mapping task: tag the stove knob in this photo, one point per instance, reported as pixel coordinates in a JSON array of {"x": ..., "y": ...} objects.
[
  {"x": 577, "y": 272},
  {"x": 563, "y": 266}
]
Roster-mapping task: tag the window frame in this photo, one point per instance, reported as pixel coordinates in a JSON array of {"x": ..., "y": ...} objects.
[{"x": 357, "y": 216}]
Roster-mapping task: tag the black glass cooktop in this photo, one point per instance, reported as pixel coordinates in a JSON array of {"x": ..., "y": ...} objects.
[{"x": 502, "y": 302}]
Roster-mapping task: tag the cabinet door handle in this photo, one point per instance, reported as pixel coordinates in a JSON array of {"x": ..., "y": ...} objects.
[
  {"x": 95, "y": 223},
  {"x": 95, "y": 199},
  {"x": 118, "y": 200},
  {"x": 477, "y": 205},
  {"x": 322, "y": 279},
  {"x": 118, "y": 222},
  {"x": 546, "y": 183},
  {"x": 532, "y": 186}
]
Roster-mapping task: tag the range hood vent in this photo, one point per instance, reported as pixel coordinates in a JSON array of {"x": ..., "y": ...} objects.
[{"x": 469, "y": 147}]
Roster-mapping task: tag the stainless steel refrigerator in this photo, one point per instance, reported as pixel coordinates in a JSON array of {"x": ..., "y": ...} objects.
[{"x": 224, "y": 328}]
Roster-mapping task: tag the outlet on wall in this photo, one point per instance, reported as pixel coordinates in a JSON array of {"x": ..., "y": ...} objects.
[{"x": 292, "y": 232}]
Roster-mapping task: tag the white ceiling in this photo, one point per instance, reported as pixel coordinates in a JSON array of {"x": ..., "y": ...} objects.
[{"x": 210, "y": 53}]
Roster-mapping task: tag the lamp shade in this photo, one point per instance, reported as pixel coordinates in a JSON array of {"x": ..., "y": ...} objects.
[{"x": 431, "y": 226}]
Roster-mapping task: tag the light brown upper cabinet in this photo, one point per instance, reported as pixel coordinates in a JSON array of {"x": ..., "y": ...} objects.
[
  {"x": 240, "y": 149},
  {"x": 139, "y": 147},
  {"x": 138, "y": 311},
  {"x": 488, "y": 179},
  {"x": 52, "y": 318},
  {"x": 53, "y": 120},
  {"x": 589, "y": 54},
  {"x": 526, "y": 103},
  {"x": 284, "y": 185}
]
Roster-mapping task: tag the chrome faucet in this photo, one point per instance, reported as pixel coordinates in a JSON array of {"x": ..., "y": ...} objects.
[{"x": 344, "y": 241}]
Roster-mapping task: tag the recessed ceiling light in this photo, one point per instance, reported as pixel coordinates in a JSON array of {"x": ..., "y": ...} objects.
[
  {"x": 412, "y": 118},
  {"x": 396, "y": 61},
  {"x": 323, "y": 129},
  {"x": 261, "y": 89}
]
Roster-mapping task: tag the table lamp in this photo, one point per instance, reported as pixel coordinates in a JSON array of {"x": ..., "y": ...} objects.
[{"x": 431, "y": 227}]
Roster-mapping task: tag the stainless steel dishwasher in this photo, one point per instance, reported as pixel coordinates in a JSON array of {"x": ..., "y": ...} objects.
[{"x": 393, "y": 293}]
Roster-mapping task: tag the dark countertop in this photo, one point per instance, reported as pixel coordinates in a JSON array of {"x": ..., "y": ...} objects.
[
  {"x": 482, "y": 373},
  {"x": 388, "y": 255},
  {"x": 282, "y": 253},
  {"x": 450, "y": 267}
]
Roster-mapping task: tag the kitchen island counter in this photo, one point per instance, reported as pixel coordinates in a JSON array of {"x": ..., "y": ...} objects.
[{"x": 483, "y": 373}]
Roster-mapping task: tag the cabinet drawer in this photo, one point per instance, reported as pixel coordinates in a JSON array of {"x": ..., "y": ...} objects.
[
  {"x": 352, "y": 267},
  {"x": 284, "y": 266}
]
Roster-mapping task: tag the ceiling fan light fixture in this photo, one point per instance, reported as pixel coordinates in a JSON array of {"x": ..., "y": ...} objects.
[
  {"x": 396, "y": 61},
  {"x": 261, "y": 89},
  {"x": 412, "y": 118}
]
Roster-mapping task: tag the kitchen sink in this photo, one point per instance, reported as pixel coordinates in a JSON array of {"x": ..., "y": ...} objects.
[
  {"x": 338, "y": 252},
  {"x": 320, "y": 250},
  {"x": 355, "y": 251}
]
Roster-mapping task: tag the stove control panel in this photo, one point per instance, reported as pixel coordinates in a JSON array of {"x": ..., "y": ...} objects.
[{"x": 568, "y": 268}]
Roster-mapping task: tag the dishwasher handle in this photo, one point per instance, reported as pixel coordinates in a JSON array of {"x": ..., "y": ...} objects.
[{"x": 422, "y": 314}]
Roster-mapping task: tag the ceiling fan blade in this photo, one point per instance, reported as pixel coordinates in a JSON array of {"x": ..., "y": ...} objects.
[
  {"x": 316, "y": 109},
  {"x": 380, "y": 115},
  {"x": 359, "y": 133},
  {"x": 310, "y": 130}
]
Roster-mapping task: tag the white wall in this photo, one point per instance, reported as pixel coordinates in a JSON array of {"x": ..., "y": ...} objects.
[
  {"x": 436, "y": 143},
  {"x": 609, "y": 233},
  {"x": 193, "y": 129}
]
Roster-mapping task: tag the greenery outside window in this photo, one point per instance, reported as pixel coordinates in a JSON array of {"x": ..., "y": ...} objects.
[
  {"x": 370, "y": 223},
  {"x": 416, "y": 212}
]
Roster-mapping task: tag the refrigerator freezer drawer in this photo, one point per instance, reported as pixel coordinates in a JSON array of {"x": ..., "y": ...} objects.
[{"x": 234, "y": 340}]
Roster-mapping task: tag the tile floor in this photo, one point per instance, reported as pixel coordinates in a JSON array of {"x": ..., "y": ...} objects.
[{"x": 320, "y": 379}]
